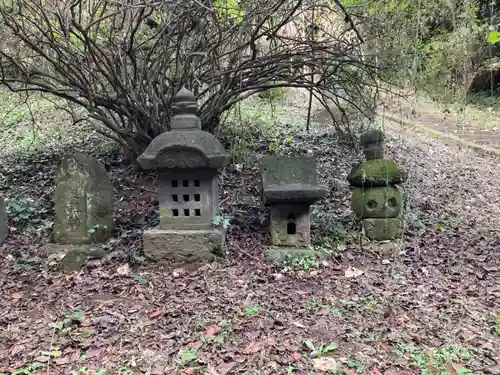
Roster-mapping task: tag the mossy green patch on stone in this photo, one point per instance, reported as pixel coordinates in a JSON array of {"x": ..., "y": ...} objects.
[
  {"x": 377, "y": 172},
  {"x": 296, "y": 258},
  {"x": 278, "y": 256}
]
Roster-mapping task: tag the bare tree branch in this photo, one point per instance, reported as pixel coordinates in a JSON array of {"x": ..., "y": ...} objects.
[{"x": 121, "y": 62}]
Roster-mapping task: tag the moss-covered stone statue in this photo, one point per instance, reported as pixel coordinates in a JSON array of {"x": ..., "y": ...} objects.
[{"x": 375, "y": 197}]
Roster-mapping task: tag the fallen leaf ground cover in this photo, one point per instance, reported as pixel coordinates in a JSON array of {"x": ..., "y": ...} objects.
[{"x": 428, "y": 304}]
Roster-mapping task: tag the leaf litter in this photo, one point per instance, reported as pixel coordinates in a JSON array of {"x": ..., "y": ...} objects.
[{"x": 440, "y": 287}]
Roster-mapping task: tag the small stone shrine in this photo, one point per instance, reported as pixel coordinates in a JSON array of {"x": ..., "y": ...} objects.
[
  {"x": 83, "y": 202},
  {"x": 375, "y": 197},
  {"x": 4, "y": 227},
  {"x": 289, "y": 188},
  {"x": 187, "y": 160}
]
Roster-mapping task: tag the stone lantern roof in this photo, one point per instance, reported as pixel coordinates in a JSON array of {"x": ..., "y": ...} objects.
[
  {"x": 186, "y": 146},
  {"x": 290, "y": 180}
]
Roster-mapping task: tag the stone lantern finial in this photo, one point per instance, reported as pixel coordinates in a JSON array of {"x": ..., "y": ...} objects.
[
  {"x": 185, "y": 109},
  {"x": 373, "y": 144}
]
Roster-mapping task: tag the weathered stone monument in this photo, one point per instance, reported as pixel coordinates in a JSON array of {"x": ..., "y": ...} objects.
[
  {"x": 187, "y": 160},
  {"x": 375, "y": 197},
  {"x": 289, "y": 188},
  {"x": 4, "y": 227},
  {"x": 83, "y": 201},
  {"x": 84, "y": 207}
]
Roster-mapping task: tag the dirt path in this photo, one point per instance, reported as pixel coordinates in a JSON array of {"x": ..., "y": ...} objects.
[{"x": 477, "y": 128}]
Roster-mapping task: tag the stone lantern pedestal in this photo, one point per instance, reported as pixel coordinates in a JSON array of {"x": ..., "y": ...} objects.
[
  {"x": 289, "y": 188},
  {"x": 187, "y": 160},
  {"x": 375, "y": 196}
]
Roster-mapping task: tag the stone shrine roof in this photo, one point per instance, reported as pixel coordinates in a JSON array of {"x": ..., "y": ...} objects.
[
  {"x": 290, "y": 180},
  {"x": 186, "y": 146},
  {"x": 184, "y": 149}
]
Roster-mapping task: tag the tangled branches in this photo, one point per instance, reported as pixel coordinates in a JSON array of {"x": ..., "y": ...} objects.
[{"x": 121, "y": 62}]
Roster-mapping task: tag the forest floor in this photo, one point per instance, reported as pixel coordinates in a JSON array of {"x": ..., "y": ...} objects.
[{"x": 429, "y": 304}]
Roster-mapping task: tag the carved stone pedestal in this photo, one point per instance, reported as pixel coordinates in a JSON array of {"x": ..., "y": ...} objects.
[{"x": 177, "y": 247}]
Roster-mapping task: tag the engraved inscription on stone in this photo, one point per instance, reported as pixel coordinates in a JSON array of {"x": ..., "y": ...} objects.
[{"x": 83, "y": 201}]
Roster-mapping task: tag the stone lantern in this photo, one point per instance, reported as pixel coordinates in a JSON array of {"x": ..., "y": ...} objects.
[
  {"x": 289, "y": 188},
  {"x": 187, "y": 160},
  {"x": 375, "y": 196}
]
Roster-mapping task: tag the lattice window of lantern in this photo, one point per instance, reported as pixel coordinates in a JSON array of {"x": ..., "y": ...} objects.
[{"x": 186, "y": 198}]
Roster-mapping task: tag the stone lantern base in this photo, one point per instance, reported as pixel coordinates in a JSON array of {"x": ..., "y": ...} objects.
[
  {"x": 176, "y": 247},
  {"x": 290, "y": 225},
  {"x": 382, "y": 229}
]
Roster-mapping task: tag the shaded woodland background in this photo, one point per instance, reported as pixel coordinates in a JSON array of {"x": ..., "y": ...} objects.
[{"x": 117, "y": 64}]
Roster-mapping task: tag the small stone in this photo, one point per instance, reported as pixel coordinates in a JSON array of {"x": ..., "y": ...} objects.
[
  {"x": 123, "y": 270},
  {"x": 178, "y": 272},
  {"x": 94, "y": 263},
  {"x": 97, "y": 253},
  {"x": 42, "y": 359},
  {"x": 386, "y": 261},
  {"x": 75, "y": 258},
  {"x": 327, "y": 364}
]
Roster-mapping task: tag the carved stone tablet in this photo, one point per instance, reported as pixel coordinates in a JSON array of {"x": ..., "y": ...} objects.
[{"x": 83, "y": 201}]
